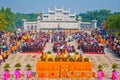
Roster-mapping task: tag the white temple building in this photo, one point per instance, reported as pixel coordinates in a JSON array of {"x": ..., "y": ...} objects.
[{"x": 58, "y": 19}]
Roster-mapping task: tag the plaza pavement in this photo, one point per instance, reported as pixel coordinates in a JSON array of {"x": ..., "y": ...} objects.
[{"x": 106, "y": 60}]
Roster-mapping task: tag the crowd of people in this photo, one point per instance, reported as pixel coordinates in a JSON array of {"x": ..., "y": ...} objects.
[
  {"x": 34, "y": 41},
  {"x": 88, "y": 43},
  {"x": 21, "y": 41},
  {"x": 109, "y": 39},
  {"x": 60, "y": 43}
]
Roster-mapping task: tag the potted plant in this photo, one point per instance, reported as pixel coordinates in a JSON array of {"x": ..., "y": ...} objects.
[
  {"x": 114, "y": 72},
  {"x": 28, "y": 72},
  {"x": 86, "y": 59},
  {"x": 100, "y": 72},
  {"x": 17, "y": 71},
  {"x": 6, "y": 72}
]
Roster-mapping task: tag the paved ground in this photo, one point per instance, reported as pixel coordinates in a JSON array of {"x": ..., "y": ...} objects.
[{"x": 106, "y": 60}]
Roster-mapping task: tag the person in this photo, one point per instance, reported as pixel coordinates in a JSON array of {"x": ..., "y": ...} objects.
[
  {"x": 1, "y": 58},
  {"x": 100, "y": 75},
  {"x": 114, "y": 75}
]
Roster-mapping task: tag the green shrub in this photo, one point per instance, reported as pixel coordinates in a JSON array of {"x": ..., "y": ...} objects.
[
  {"x": 100, "y": 67},
  {"x": 114, "y": 66}
]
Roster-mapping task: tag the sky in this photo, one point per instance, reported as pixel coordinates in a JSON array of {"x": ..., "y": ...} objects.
[{"x": 80, "y": 6}]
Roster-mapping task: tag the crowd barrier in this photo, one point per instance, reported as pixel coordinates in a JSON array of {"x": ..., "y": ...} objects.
[{"x": 64, "y": 70}]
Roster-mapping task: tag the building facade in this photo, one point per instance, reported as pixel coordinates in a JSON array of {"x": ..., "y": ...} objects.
[{"x": 58, "y": 19}]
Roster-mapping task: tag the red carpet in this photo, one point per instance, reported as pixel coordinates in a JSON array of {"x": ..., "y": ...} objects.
[
  {"x": 93, "y": 53},
  {"x": 31, "y": 52}
]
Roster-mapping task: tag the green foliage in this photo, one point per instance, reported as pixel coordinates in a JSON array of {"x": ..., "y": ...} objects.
[
  {"x": 20, "y": 16},
  {"x": 99, "y": 15},
  {"x": 6, "y": 19},
  {"x": 3, "y": 21},
  {"x": 17, "y": 65},
  {"x": 7, "y": 66},
  {"x": 113, "y": 22},
  {"x": 114, "y": 66},
  {"x": 28, "y": 66},
  {"x": 100, "y": 67}
]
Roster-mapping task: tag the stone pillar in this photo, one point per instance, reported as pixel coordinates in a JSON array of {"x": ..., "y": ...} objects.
[
  {"x": 79, "y": 22},
  {"x": 94, "y": 24},
  {"x": 38, "y": 26},
  {"x": 24, "y": 26}
]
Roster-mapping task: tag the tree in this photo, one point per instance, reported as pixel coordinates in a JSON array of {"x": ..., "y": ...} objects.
[
  {"x": 6, "y": 19},
  {"x": 113, "y": 22},
  {"x": 3, "y": 22},
  {"x": 99, "y": 15}
]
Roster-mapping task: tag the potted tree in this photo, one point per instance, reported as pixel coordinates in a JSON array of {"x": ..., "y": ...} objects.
[
  {"x": 28, "y": 72},
  {"x": 17, "y": 71},
  {"x": 6, "y": 72},
  {"x": 100, "y": 73},
  {"x": 114, "y": 72}
]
